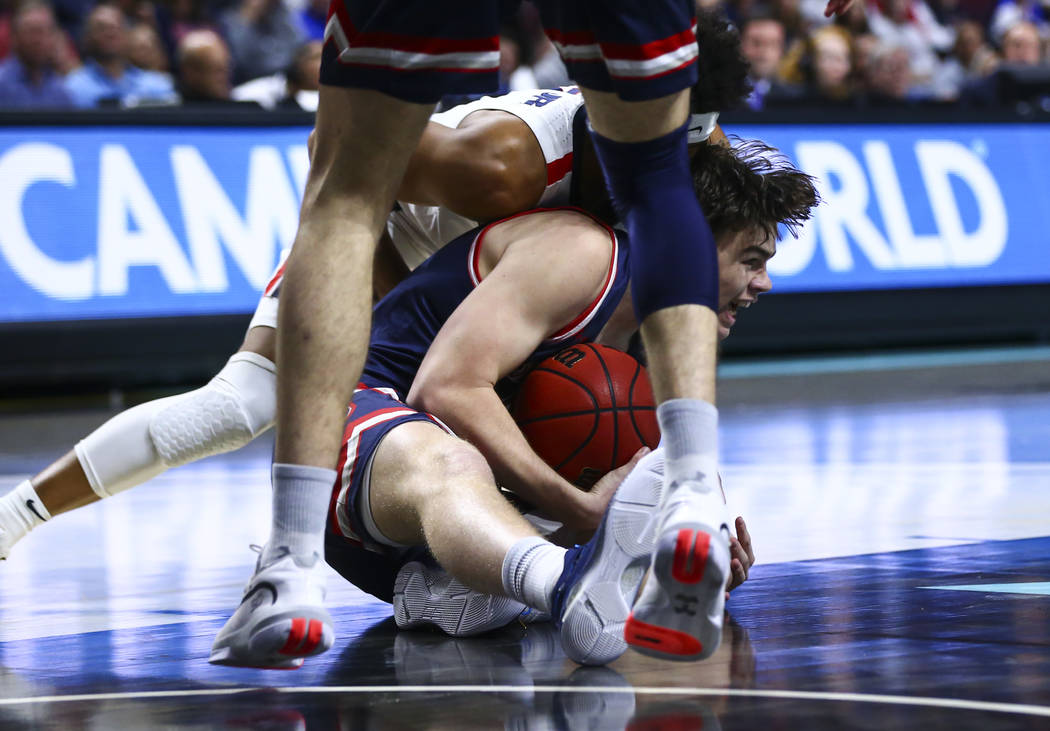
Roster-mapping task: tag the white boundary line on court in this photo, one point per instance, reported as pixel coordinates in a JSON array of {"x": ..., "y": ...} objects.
[{"x": 904, "y": 700}]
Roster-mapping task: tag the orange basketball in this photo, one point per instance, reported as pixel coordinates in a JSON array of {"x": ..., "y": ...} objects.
[{"x": 586, "y": 411}]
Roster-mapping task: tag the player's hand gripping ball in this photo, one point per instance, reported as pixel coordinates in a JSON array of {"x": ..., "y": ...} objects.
[{"x": 586, "y": 411}]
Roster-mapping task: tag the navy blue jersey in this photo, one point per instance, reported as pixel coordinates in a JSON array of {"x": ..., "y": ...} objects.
[{"x": 407, "y": 320}]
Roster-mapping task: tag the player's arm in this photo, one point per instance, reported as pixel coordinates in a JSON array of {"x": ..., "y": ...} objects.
[
  {"x": 555, "y": 266},
  {"x": 488, "y": 167}
]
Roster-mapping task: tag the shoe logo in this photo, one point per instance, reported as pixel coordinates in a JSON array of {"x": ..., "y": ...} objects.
[
  {"x": 257, "y": 598},
  {"x": 31, "y": 506},
  {"x": 685, "y": 605},
  {"x": 698, "y": 478},
  {"x": 690, "y": 556}
]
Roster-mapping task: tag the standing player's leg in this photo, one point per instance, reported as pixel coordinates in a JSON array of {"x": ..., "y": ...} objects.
[
  {"x": 362, "y": 145},
  {"x": 674, "y": 275},
  {"x": 638, "y": 104},
  {"x": 384, "y": 66}
]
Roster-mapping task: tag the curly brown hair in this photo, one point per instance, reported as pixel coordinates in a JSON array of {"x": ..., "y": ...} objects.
[{"x": 751, "y": 184}]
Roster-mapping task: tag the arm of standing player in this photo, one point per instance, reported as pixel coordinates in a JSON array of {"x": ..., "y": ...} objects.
[{"x": 551, "y": 265}]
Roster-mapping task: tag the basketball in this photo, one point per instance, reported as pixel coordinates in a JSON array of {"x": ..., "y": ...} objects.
[{"x": 586, "y": 411}]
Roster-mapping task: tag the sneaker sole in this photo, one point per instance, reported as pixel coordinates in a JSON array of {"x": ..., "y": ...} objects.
[
  {"x": 456, "y": 610},
  {"x": 280, "y": 642},
  {"x": 592, "y": 627},
  {"x": 679, "y": 614}
]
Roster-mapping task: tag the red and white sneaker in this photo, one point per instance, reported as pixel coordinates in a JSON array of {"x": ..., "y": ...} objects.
[
  {"x": 281, "y": 619},
  {"x": 678, "y": 615}
]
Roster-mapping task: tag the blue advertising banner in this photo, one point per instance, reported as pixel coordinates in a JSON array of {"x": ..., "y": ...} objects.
[
  {"x": 100, "y": 222},
  {"x": 144, "y": 222},
  {"x": 917, "y": 206}
]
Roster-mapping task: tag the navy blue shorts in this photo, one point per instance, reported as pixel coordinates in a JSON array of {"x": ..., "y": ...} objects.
[
  {"x": 351, "y": 548},
  {"x": 373, "y": 413},
  {"x": 422, "y": 50}
]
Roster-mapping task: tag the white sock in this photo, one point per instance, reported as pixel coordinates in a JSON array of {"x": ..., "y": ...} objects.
[
  {"x": 531, "y": 569},
  {"x": 689, "y": 437},
  {"x": 301, "y": 495},
  {"x": 21, "y": 510}
]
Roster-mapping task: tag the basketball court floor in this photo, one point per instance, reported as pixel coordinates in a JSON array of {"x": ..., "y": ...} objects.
[{"x": 900, "y": 509}]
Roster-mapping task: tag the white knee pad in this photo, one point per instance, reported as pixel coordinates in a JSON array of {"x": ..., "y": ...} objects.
[{"x": 237, "y": 405}]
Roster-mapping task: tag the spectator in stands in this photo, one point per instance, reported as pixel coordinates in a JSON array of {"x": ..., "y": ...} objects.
[
  {"x": 204, "y": 67},
  {"x": 864, "y": 46},
  {"x": 295, "y": 88},
  {"x": 1021, "y": 44},
  {"x": 912, "y": 25},
  {"x": 176, "y": 18},
  {"x": 1009, "y": 12},
  {"x": 263, "y": 36},
  {"x": 762, "y": 43},
  {"x": 313, "y": 17},
  {"x": 107, "y": 76},
  {"x": 829, "y": 65},
  {"x": 971, "y": 59},
  {"x": 789, "y": 13},
  {"x": 28, "y": 78},
  {"x": 146, "y": 50},
  {"x": 303, "y": 78},
  {"x": 1021, "y": 53},
  {"x": 889, "y": 78}
]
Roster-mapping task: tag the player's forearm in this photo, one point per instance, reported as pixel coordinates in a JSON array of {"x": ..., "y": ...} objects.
[{"x": 477, "y": 415}]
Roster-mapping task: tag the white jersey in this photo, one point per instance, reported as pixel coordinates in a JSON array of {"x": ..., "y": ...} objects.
[{"x": 419, "y": 231}]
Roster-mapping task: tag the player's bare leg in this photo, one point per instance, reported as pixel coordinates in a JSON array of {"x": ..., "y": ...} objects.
[
  {"x": 362, "y": 144},
  {"x": 136, "y": 445},
  {"x": 426, "y": 487},
  {"x": 679, "y": 614}
]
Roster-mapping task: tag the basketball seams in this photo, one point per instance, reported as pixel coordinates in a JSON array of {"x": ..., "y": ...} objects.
[
  {"x": 569, "y": 414},
  {"x": 630, "y": 402},
  {"x": 594, "y": 411},
  {"x": 614, "y": 405}
]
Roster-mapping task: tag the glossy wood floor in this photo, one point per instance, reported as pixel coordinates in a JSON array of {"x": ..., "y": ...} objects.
[{"x": 900, "y": 508}]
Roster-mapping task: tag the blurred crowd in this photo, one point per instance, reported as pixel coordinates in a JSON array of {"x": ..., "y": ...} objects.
[
  {"x": 266, "y": 53},
  {"x": 126, "y": 53}
]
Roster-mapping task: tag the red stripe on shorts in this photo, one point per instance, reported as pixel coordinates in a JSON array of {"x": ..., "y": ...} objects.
[
  {"x": 646, "y": 51},
  {"x": 559, "y": 169}
]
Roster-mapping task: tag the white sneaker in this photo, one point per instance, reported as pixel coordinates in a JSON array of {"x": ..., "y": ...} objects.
[
  {"x": 678, "y": 615},
  {"x": 6, "y": 544},
  {"x": 593, "y": 596},
  {"x": 281, "y": 619},
  {"x": 428, "y": 595}
]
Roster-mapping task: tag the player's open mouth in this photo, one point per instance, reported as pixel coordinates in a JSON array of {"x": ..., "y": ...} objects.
[
  {"x": 727, "y": 315},
  {"x": 735, "y": 306}
]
